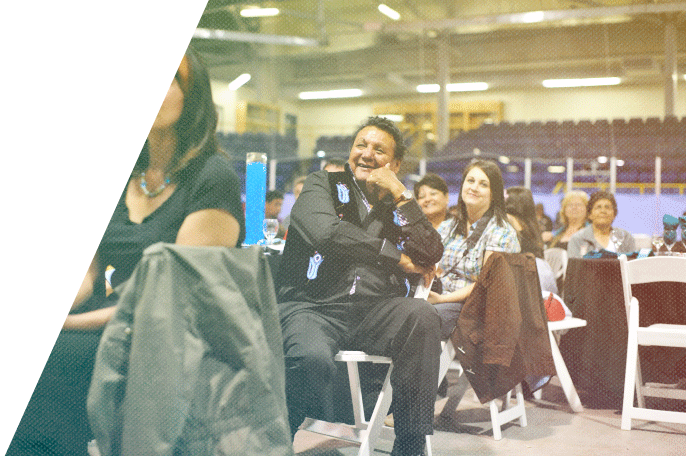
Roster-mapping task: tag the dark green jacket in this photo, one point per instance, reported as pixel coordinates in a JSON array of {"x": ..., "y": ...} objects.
[{"x": 192, "y": 361}]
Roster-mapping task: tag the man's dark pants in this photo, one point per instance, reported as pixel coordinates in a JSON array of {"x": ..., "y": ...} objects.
[{"x": 405, "y": 329}]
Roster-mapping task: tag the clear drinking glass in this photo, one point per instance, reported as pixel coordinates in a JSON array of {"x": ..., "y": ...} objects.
[
  {"x": 658, "y": 242},
  {"x": 270, "y": 227},
  {"x": 617, "y": 237}
]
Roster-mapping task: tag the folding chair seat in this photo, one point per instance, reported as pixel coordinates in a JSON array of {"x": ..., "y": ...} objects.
[{"x": 641, "y": 271}]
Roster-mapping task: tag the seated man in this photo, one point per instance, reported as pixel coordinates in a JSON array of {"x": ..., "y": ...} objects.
[
  {"x": 272, "y": 208},
  {"x": 357, "y": 241}
]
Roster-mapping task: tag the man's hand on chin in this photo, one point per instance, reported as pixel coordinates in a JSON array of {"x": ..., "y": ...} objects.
[{"x": 382, "y": 181}]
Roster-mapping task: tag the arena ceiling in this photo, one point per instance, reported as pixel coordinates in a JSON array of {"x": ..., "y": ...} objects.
[{"x": 336, "y": 44}]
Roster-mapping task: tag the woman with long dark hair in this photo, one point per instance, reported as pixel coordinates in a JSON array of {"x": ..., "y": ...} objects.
[
  {"x": 480, "y": 228},
  {"x": 521, "y": 213},
  {"x": 182, "y": 190}
]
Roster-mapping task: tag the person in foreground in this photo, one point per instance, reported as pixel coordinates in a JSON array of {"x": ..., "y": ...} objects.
[
  {"x": 182, "y": 190},
  {"x": 480, "y": 228},
  {"x": 600, "y": 234},
  {"x": 357, "y": 242},
  {"x": 431, "y": 192}
]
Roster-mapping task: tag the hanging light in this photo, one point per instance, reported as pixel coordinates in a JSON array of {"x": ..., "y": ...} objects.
[
  {"x": 259, "y": 12},
  {"x": 389, "y": 12}
]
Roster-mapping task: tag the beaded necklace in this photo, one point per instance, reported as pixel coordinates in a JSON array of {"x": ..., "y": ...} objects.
[{"x": 154, "y": 193}]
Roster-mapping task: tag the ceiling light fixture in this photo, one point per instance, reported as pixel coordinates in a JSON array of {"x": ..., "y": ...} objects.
[
  {"x": 239, "y": 81},
  {"x": 259, "y": 12},
  {"x": 556, "y": 169},
  {"x": 324, "y": 94},
  {"x": 531, "y": 17},
  {"x": 455, "y": 87},
  {"x": 583, "y": 82},
  {"x": 388, "y": 11},
  {"x": 392, "y": 117}
]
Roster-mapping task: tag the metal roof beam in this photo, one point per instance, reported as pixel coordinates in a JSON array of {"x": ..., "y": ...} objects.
[
  {"x": 536, "y": 17},
  {"x": 229, "y": 35}
]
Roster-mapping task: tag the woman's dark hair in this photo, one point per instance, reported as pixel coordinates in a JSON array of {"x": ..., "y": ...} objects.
[
  {"x": 497, "y": 208},
  {"x": 389, "y": 127},
  {"x": 431, "y": 180},
  {"x": 601, "y": 195},
  {"x": 520, "y": 204},
  {"x": 197, "y": 124}
]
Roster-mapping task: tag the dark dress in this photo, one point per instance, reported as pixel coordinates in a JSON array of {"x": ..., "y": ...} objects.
[{"x": 55, "y": 420}]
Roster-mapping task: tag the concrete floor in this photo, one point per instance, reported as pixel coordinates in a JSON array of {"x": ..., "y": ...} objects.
[{"x": 553, "y": 429}]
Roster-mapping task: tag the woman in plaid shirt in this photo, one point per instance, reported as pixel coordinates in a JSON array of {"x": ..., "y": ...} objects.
[{"x": 480, "y": 228}]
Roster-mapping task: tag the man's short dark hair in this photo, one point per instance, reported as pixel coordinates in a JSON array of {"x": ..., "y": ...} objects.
[
  {"x": 339, "y": 162},
  {"x": 389, "y": 127},
  {"x": 273, "y": 195}
]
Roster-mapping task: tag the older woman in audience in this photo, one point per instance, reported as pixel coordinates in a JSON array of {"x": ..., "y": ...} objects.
[
  {"x": 600, "y": 234},
  {"x": 431, "y": 193},
  {"x": 480, "y": 228},
  {"x": 573, "y": 217}
]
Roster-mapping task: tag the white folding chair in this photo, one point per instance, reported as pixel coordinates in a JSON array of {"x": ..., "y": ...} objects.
[
  {"x": 560, "y": 366},
  {"x": 499, "y": 415},
  {"x": 557, "y": 259},
  {"x": 365, "y": 432},
  {"x": 649, "y": 270}
]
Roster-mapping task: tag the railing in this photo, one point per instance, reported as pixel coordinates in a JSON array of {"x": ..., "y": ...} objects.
[{"x": 641, "y": 186}]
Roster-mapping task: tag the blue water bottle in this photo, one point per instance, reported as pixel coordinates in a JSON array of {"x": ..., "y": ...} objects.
[{"x": 255, "y": 190}]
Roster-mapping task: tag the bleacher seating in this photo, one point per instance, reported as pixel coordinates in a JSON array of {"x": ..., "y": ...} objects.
[
  {"x": 282, "y": 148},
  {"x": 636, "y": 141},
  {"x": 634, "y": 137},
  {"x": 274, "y": 145}
]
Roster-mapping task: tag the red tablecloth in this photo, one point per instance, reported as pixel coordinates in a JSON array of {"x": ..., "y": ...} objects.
[{"x": 596, "y": 355}]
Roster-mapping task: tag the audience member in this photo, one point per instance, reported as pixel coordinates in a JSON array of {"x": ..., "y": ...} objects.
[
  {"x": 521, "y": 212},
  {"x": 573, "y": 217},
  {"x": 544, "y": 221},
  {"x": 273, "y": 202},
  {"x": 600, "y": 234},
  {"x": 480, "y": 228},
  {"x": 431, "y": 193},
  {"x": 297, "y": 188},
  {"x": 182, "y": 189},
  {"x": 357, "y": 240},
  {"x": 335, "y": 165},
  {"x": 272, "y": 209}
]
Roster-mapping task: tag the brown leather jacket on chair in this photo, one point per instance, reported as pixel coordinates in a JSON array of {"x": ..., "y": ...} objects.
[{"x": 501, "y": 336}]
